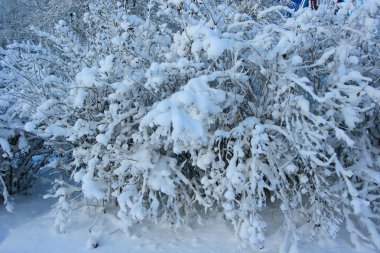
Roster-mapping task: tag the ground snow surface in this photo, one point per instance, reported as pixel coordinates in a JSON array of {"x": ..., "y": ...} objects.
[{"x": 29, "y": 229}]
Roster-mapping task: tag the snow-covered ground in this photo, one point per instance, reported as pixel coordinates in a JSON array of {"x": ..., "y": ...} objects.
[{"x": 30, "y": 230}]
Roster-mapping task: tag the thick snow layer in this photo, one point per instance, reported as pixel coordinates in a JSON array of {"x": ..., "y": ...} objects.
[
  {"x": 30, "y": 230},
  {"x": 4, "y": 145},
  {"x": 30, "y": 126},
  {"x": 87, "y": 77}
]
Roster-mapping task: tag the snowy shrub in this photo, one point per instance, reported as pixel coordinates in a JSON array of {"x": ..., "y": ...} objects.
[
  {"x": 277, "y": 115},
  {"x": 24, "y": 155},
  {"x": 18, "y": 150},
  {"x": 16, "y": 17},
  {"x": 186, "y": 106}
]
